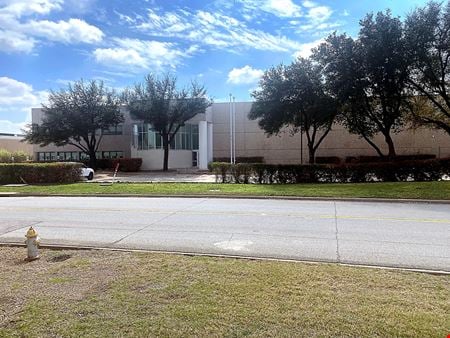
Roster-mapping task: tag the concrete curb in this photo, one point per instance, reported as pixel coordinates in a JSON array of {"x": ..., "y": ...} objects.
[
  {"x": 254, "y": 258},
  {"x": 293, "y": 198}
]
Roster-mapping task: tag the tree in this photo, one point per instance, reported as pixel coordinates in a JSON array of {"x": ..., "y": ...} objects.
[
  {"x": 77, "y": 116},
  {"x": 368, "y": 76},
  {"x": 428, "y": 41},
  {"x": 295, "y": 97},
  {"x": 157, "y": 101}
]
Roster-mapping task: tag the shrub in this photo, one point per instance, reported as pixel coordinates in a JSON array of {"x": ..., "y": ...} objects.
[
  {"x": 250, "y": 159},
  {"x": 376, "y": 159},
  {"x": 328, "y": 160},
  {"x": 127, "y": 164},
  {"x": 20, "y": 156},
  {"x": 221, "y": 170},
  {"x": 241, "y": 172},
  {"x": 104, "y": 163},
  {"x": 419, "y": 170},
  {"x": 7, "y": 156},
  {"x": 35, "y": 173}
]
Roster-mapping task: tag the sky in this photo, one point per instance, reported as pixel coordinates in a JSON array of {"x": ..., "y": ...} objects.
[{"x": 223, "y": 44}]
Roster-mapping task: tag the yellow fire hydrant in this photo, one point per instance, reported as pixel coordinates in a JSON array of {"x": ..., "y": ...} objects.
[{"x": 32, "y": 243}]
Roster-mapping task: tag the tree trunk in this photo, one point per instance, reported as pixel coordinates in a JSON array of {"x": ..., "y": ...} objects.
[
  {"x": 373, "y": 145},
  {"x": 312, "y": 154},
  {"x": 92, "y": 159},
  {"x": 391, "y": 146},
  {"x": 166, "y": 152}
]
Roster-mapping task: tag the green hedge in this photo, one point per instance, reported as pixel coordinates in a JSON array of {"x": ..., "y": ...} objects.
[
  {"x": 420, "y": 170},
  {"x": 125, "y": 164},
  {"x": 35, "y": 173},
  {"x": 247, "y": 159},
  {"x": 376, "y": 159},
  {"x": 328, "y": 160}
]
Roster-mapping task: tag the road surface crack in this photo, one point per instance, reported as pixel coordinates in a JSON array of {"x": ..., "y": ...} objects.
[
  {"x": 18, "y": 227},
  {"x": 155, "y": 222},
  {"x": 338, "y": 257},
  {"x": 231, "y": 237}
]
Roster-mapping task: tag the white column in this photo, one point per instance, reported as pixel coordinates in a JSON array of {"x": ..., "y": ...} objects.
[
  {"x": 210, "y": 142},
  {"x": 203, "y": 145}
]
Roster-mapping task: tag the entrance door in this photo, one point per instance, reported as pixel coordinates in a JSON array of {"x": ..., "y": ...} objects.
[{"x": 195, "y": 159}]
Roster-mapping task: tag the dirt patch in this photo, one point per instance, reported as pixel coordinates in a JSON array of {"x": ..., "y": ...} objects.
[
  {"x": 60, "y": 258},
  {"x": 61, "y": 277}
]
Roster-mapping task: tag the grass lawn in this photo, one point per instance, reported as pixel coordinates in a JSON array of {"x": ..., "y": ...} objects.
[
  {"x": 106, "y": 294},
  {"x": 411, "y": 190}
]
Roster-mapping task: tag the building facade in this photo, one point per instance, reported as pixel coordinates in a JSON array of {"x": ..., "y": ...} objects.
[
  {"x": 192, "y": 147},
  {"x": 207, "y": 136},
  {"x": 285, "y": 148},
  {"x": 13, "y": 143}
]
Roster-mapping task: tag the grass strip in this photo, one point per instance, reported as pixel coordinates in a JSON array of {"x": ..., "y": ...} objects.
[
  {"x": 407, "y": 190},
  {"x": 104, "y": 294}
]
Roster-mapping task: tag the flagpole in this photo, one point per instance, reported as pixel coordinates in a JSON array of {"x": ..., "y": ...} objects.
[
  {"x": 231, "y": 130},
  {"x": 234, "y": 130}
]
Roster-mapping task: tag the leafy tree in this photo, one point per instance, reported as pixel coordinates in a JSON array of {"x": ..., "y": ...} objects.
[
  {"x": 77, "y": 116},
  {"x": 295, "y": 97},
  {"x": 368, "y": 76},
  {"x": 18, "y": 156},
  {"x": 157, "y": 101},
  {"x": 428, "y": 41}
]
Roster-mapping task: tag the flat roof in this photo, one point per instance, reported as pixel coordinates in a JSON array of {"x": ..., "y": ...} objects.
[{"x": 10, "y": 135}]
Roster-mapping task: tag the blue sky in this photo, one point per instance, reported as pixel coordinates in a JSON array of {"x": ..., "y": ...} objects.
[{"x": 224, "y": 44}]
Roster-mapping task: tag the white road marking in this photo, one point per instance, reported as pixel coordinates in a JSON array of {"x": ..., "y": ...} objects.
[{"x": 234, "y": 245}]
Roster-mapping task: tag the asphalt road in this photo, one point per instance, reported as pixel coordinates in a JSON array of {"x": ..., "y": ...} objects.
[{"x": 411, "y": 235}]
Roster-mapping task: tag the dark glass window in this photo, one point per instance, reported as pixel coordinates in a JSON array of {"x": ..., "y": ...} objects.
[{"x": 113, "y": 130}]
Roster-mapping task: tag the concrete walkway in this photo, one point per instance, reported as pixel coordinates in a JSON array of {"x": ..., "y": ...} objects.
[
  {"x": 388, "y": 234},
  {"x": 155, "y": 176}
]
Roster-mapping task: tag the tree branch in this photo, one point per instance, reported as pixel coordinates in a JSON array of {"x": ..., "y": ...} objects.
[{"x": 79, "y": 146}]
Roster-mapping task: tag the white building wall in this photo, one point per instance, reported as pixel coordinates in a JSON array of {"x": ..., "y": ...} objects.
[{"x": 153, "y": 159}]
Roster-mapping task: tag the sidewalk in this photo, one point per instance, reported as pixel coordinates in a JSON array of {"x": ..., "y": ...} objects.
[{"x": 155, "y": 176}]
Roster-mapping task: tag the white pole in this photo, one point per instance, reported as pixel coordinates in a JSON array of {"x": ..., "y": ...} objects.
[
  {"x": 231, "y": 130},
  {"x": 234, "y": 129}
]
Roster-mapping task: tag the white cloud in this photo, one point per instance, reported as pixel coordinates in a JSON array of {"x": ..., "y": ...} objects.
[
  {"x": 119, "y": 56},
  {"x": 9, "y": 127},
  {"x": 309, "y": 4},
  {"x": 71, "y": 31},
  {"x": 19, "y": 8},
  {"x": 218, "y": 30},
  {"x": 317, "y": 19},
  {"x": 306, "y": 48},
  {"x": 213, "y": 29},
  {"x": 16, "y": 93},
  {"x": 135, "y": 54},
  {"x": 280, "y": 8},
  {"x": 244, "y": 75},
  {"x": 123, "y": 18},
  {"x": 18, "y": 34},
  {"x": 319, "y": 13},
  {"x": 283, "y": 8},
  {"x": 17, "y": 98},
  {"x": 15, "y": 41}
]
